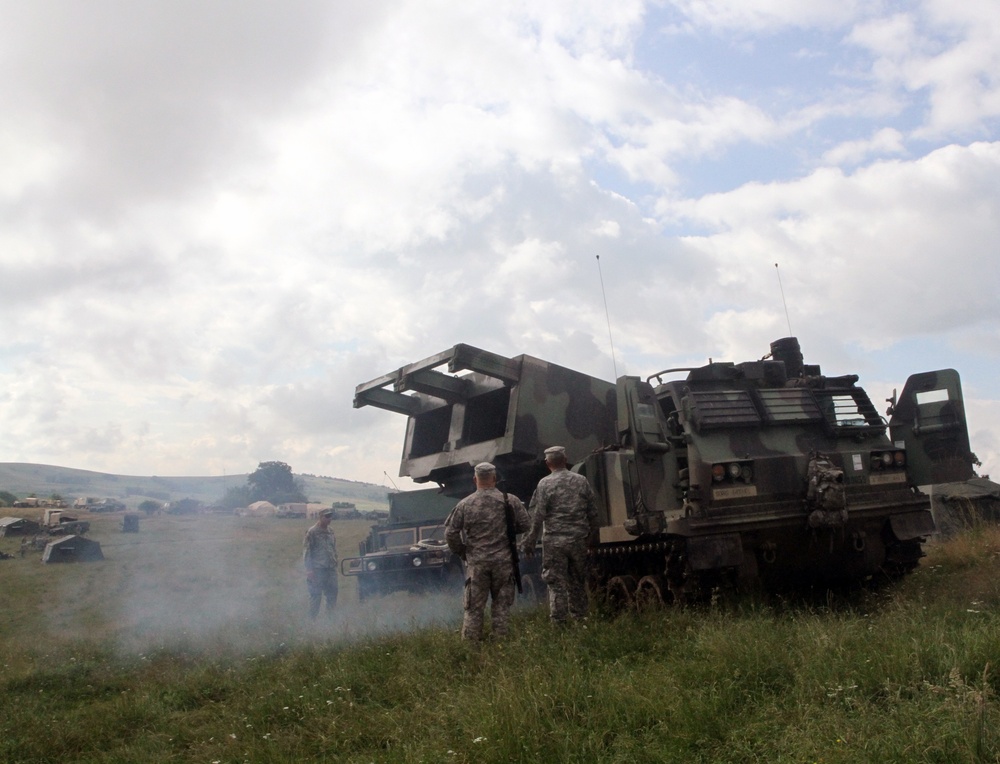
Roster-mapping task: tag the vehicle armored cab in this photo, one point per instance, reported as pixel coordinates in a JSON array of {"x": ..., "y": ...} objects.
[
  {"x": 406, "y": 551},
  {"x": 764, "y": 470}
]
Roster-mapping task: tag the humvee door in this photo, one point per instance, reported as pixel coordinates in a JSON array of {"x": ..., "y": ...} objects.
[{"x": 929, "y": 418}]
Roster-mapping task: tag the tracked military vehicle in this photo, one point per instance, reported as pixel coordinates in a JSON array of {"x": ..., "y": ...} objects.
[
  {"x": 407, "y": 551},
  {"x": 763, "y": 471}
]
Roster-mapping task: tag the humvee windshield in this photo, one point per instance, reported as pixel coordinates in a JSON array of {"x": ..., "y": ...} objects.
[
  {"x": 432, "y": 533},
  {"x": 401, "y": 537}
]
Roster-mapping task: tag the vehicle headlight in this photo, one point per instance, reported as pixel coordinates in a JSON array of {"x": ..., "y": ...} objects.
[
  {"x": 417, "y": 562},
  {"x": 370, "y": 565}
]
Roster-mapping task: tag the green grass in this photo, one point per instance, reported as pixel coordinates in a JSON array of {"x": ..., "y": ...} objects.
[{"x": 188, "y": 643}]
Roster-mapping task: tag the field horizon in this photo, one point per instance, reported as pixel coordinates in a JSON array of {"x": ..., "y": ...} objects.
[{"x": 43, "y": 480}]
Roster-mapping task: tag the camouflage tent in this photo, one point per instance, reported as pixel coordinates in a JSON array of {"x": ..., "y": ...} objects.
[
  {"x": 72, "y": 549},
  {"x": 17, "y": 526},
  {"x": 962, "y": 505}
]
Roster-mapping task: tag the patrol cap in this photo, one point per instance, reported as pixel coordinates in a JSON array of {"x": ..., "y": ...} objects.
[
  {"x": 555, "y": 451},
  {"x": 485, "y": 468},
  {"x": 326, "y": 513}
]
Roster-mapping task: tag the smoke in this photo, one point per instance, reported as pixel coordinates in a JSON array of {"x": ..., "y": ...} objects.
[{"x": 224, "y": 584}]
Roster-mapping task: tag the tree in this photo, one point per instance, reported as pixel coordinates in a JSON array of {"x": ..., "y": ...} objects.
[
  {"x": 235, "y": 497},
  {"x": 7, "y": 499},
  {"x": 273, "y": 482},
  {"x": 149, "y": 506},
  {"x": 184, "y": 507}
]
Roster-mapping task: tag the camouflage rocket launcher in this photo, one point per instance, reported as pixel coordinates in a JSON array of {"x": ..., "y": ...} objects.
[{"x": 734, "y": 472}]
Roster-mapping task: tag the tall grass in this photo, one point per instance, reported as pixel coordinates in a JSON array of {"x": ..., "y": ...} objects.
[{"x": 904, "y": 675}]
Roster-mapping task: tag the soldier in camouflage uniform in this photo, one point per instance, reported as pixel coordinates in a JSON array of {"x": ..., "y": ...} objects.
[
  {"x": 319, "y": 555},
  {"x": 476, "y": 530},
  {"x": 564, "y": 504}
]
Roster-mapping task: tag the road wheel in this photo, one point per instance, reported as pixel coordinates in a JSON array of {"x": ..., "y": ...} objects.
[
  {"x": 620, "y": 593},
  {"x": 533, "y": 589},
  {"x": 652, "y": 593}
]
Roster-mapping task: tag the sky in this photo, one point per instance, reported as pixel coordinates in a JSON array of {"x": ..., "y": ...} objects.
[{"x": 217, "y": 217}]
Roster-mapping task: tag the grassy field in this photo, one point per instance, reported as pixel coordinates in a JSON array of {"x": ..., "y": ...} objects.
[{"x": 188, "y": 643}]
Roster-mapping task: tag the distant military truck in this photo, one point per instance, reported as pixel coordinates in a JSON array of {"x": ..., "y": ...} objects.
[
  {"x": 407, "y": 551},
  {"x": 58, "y": 523},
  {"x": 91, "y": 504},
  {"x": 293, "y": 510}
]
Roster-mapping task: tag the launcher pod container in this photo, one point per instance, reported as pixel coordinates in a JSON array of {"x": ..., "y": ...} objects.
[
  {"x": 734, "y": 472},
  {"x": 407, "y": 551}
]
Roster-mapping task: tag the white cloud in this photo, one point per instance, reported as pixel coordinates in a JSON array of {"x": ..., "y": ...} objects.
[
  {"x": 951, "y": 51},
  {"x": 749, "y": 16},
  {"x": 210, "y": 233},
  {"x": 884, "y": 142}
]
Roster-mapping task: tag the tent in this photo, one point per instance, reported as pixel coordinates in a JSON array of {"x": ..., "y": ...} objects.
[
  {"x": 72, "y": 549},
  {"x": 17, "y": 526},
  {"x": 965, "y": 504},
  {"x": 261, "y": 509}
]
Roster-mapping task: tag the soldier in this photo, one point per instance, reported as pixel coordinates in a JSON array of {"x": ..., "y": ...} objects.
[
  {"x": 564, "y": 503},
  {"x": 319, "y": 555},
  {"x": 476, "y": 530}
]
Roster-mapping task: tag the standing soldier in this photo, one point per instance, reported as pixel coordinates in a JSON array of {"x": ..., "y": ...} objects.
[
  {"x": 319, "y": 555},
  {"x": 564, "y": 503},
  {"x": 476, "y": 530}
]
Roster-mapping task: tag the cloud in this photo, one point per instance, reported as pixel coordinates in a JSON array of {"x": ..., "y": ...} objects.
[
  {"x": 885, "y": 141},
  {"x": 216, "y": 220},
  {"x": 763, "y": 16},
  {"x": 951, "y": 52}
]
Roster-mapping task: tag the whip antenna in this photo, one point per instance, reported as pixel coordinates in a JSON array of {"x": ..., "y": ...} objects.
[
  {"x": 390, "y": 479},
  {"x": 607, "y": 316},
  {"x": 783, "y": 300}
]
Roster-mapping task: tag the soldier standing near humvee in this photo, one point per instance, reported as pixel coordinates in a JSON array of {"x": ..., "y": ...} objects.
[
  {"x": 319, "y": 555},
  {"x": 564, "y": 504},
  {"x": 476, "y": 530}
]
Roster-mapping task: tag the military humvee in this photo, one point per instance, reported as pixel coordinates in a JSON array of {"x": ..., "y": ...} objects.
[{"x": 407, "y": 551}]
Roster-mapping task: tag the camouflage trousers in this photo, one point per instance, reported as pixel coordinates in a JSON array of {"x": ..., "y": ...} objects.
[
  {"x": 564, "y": 571},
  {"x": 486, "y": 580},
  {"x": 323, "y": 582}
]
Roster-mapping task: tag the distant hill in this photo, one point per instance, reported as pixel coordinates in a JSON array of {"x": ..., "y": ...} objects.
[{"x": 43, "y": 480}]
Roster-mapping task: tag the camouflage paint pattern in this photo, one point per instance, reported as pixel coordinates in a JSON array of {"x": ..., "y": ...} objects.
[
  {"x": 477, "y": 530},
  {"x": 708, "y": 473}
]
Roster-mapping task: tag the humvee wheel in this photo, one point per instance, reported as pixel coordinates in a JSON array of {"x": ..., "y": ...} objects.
[
  {"x": 620, "y": 593},
  {"x": 532, "y": 589},
  {"x": 365, "y": 590},
  {"x": 652, "y": 593}
]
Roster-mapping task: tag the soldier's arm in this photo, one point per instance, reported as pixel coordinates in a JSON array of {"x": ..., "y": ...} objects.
[
  {"x": 307, "y": 553},
  {"x": 535, "y": 520},
  {"x": 453, "y": 532},
  {"x": 521, "y": 520},
  {"x": 592, "y": 514}
]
